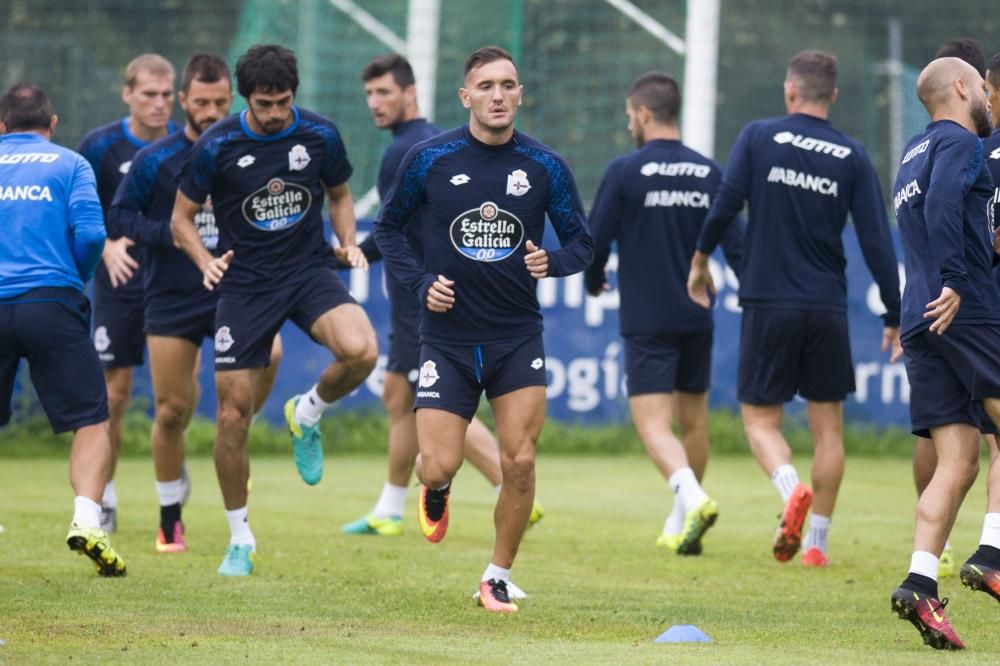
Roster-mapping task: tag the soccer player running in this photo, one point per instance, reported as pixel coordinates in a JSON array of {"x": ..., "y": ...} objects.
[
  {"x": 390, "y": 89},
  {"x": 179, "y": 312},
  {"x": 924, "y": 457},
  {"x": 950, "y": 331},
  {"x": 481, "y": 193},
  {"x": 802, "y": 177},
  {"x": 652, "y": 202},
  {"x": 118, "y": 311},
  {"x": 53, "y": 234},
  {"x": 267, "y": 170}
]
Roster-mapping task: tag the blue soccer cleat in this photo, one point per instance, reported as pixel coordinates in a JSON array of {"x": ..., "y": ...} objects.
[{"x": 308, "y": 444}]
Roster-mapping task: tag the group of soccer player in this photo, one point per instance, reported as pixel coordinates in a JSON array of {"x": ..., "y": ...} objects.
[{"x": 215, "y": 230}]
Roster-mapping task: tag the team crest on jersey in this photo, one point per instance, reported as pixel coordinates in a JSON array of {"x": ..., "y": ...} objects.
[
  {"x": 428, "y": 374},
  {"x": 517, "y": 183},
  {"x": 223, "y": 340},
  {"x": 125, "y": 166},
  {"x": 487, "y": 233},
  {"x": 101, "y": 339},
  {"x": 298, "y": 158},
  {"x": 276, "y": 206}
]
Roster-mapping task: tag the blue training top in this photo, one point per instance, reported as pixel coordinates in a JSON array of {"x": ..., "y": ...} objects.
[
  {"x": 141, "y": 211},
  {"x": 653, "y": 202},
  {"x": 110, "y": 149},
  {"x": 941, "y": 195},
  {"x": 802, "y": 177},
  {"x": 53, "y": 230},
  {"x": 991, "y": 148},
  {"x": 481, "y": 204},
  {"x": 267, "y": 195}
]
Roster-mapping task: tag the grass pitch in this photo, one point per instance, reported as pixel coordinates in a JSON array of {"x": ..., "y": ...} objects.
[{"x": 599, "y": 590}]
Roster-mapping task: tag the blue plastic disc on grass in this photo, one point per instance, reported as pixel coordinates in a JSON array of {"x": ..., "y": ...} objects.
[{"x": 683, "y": 633}]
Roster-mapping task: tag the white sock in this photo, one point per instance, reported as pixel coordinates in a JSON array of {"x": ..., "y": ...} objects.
[
  {"x": 498, "y": 488},
  {"x": 310, "y": 408},
  {"x": 925, "y": 564},
  {"x": 110, "y": 498},
  {"x": 493, "y": 572},
  {"x": 170, "y": 492},
  {"x": 239, "y": 528},
  {"x": 86, "y": 512},
  {"x": 675, "y": 521},
  {"x": 991, "y": 530},
  {"x": 785, "y": 478},
  {"x": 686, "y": 487},
  {"x": 391, "y": 501},
  {"x": 816, "y": 536}
]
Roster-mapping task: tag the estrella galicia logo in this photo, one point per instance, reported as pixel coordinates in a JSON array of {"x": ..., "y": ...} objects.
[
  {"x": 487, "y": 233},
  {"x": 276, "y": 206}
]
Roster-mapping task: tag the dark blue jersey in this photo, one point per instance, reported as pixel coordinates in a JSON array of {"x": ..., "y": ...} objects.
[
  {"x": 801, "y": 177},
  {"x": 653, "y": 202},
  {"x": 941, "y": 195},
  {"x": 480, "y": 205},
  {"x": 110, "y": 149},
  {"x": 267, "y": 194},
  {"x": 404, "y": 306},
  {"x": 991, "y": 148},
  {"x": 141, "y": 211}
]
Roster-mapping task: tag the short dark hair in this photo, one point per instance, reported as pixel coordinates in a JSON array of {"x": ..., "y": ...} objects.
[
  {"x": 397, "y": 65},
  {"x": 658, "y": 92},
  {"x": 815, "y": 72},
  {"x": 204, "y": 67},
  {"x": 486, "y": 55},
  {"x": 267, "y": 68},
  {"x": 25, "y": 107},
  {"x": 993, "y": 71},
  {"x": 964, "y": 48}
]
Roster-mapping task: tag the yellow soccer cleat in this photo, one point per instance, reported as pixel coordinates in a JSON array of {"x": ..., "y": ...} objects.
[
  {"x": 537, "y": 513},
  {"x": 373, "y": 525},
  {"x": 946, "y": 563},
  {"x": 696, "y": 523},
  {"x": 95, "y": 544}
]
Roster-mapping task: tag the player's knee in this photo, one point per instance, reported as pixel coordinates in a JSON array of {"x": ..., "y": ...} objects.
[
  {"x": 233, "y": 415},
  {"x": 435, "y": 470},
  {"x": 172, "y": 414},
  {"x": 117, "y": 399},
  {"x": 518, "y": 467}
]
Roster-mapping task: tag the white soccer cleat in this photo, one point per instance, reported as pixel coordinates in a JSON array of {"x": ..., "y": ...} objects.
[{"x": 513, "y": 591}]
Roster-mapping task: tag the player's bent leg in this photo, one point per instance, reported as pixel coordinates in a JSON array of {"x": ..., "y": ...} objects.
[
  {"x": 268, "y": 375},
  {"x": 482, "y": 450},
  {"x": 691, "y": 415},
  {"x": 441, "y": 435},
  {"x": 386, "y": 518},
  {"x": 173, "y": 365},
  {"x": 924, "y": 462}
]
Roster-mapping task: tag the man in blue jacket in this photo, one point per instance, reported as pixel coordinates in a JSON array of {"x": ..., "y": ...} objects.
[
  {"x": 53, "y": 237},
  {"x": 950, "y": 329},
  {"x": 801, "y": 177}
]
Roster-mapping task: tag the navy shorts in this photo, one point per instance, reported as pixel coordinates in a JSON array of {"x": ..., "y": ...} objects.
[
  {"x": 664, "y": 362},
  {"x": 950, "y": 375},
  {"x": 119, "y": 330},
  {"x": 453, "y": 378},
  {"x": 786, "y": 351},
  {"x": 404, "y": 354},
  {"x": 50, "y": 327},
  {"x": 247, "y": 323},
  {"x": 193, "y": 323}
]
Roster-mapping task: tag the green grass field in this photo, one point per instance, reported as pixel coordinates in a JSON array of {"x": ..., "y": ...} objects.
[{"x": 599, "y": 591}]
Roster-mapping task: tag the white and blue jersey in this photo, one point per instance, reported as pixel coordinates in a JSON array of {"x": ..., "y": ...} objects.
[
  {"x": 480, "y": 204},
  {"x": 802, "y": 177},
  {"x": 110, "y": 149},
  {"x": 652, "y": 202},
  {"x": 267, "y": 195},
  {"x": 141, "y": 211},
  {"x": 53, "y": 230},
  {"x": 942, "y": 197}
]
